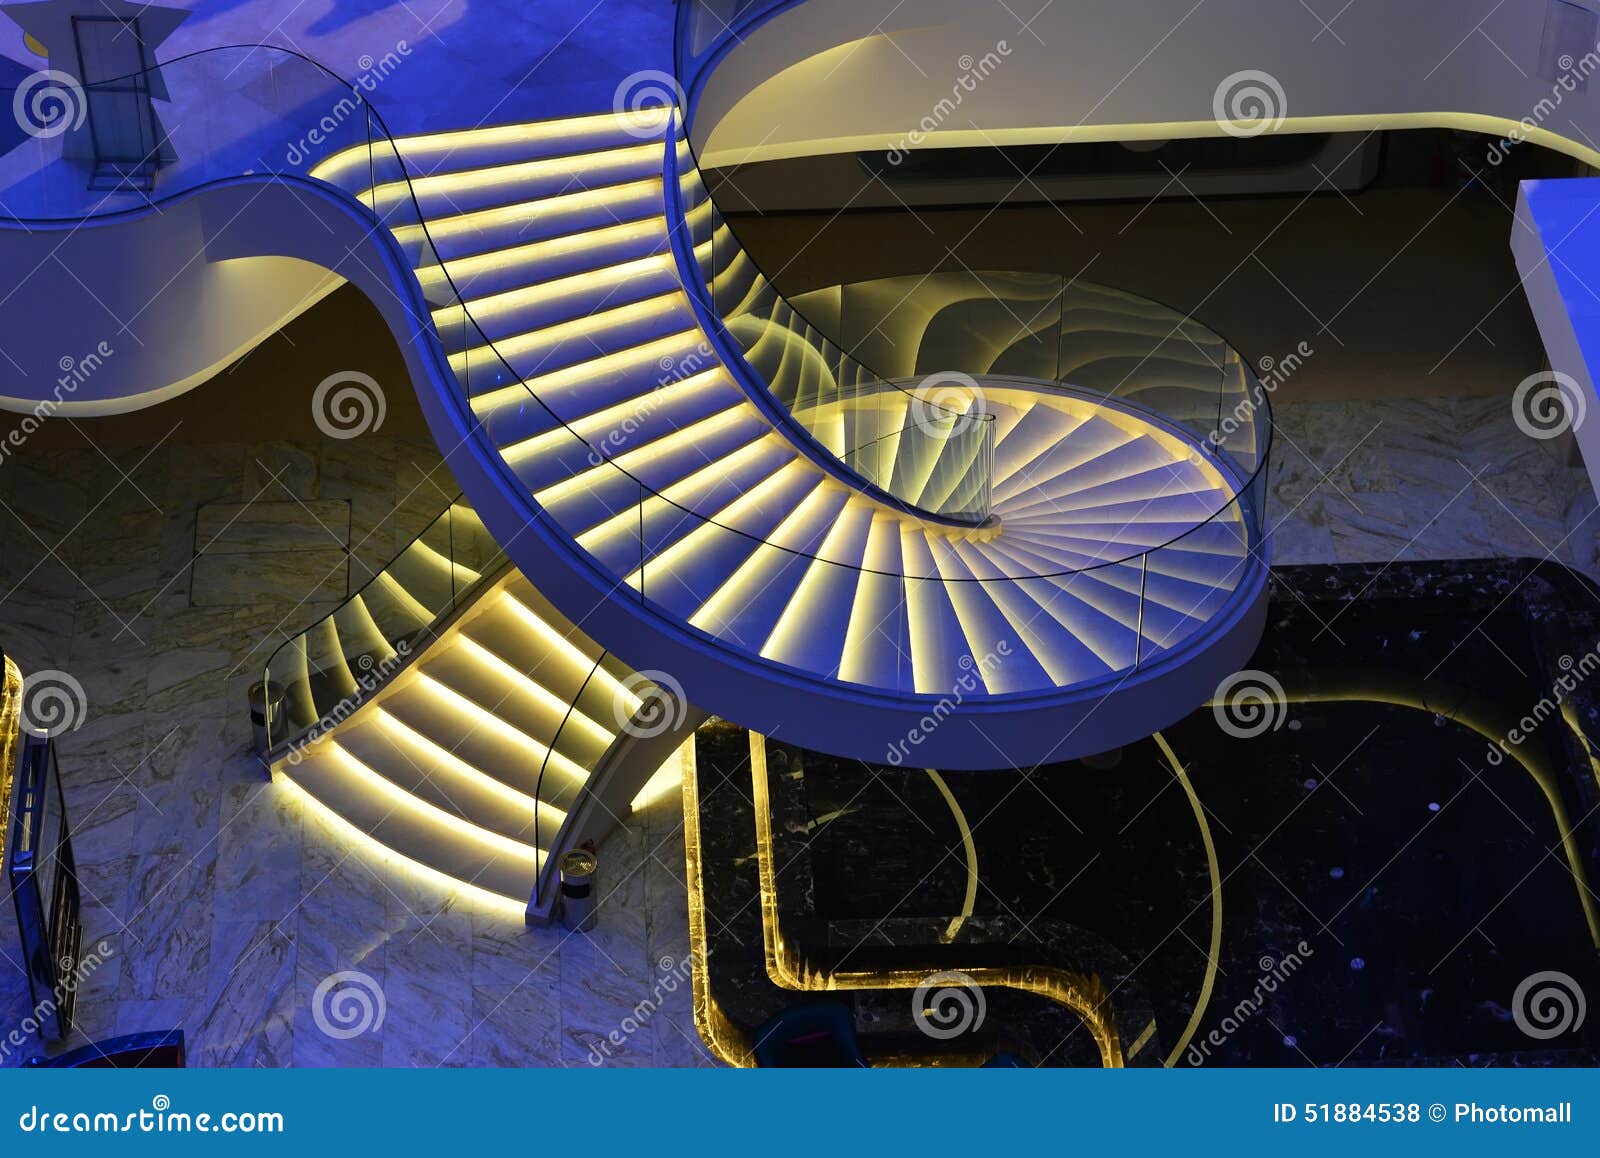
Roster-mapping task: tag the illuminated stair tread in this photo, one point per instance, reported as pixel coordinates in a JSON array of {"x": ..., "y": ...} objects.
[
  {"x": 588, "y": 373},
  {"x": 413, "y": 829}
]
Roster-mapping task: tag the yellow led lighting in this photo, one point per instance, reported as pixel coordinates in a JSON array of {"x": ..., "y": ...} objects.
[
  {"x": 725, "y": 1039},
  {"x": 10, "y": 739},
  {"x": 653, "y": 353},
  {"x": 404, "y": 597},
  {"x": 434, "y": 755},
  {"x": 1084, "y": 994},
  {"x": 595, "y": 427},
  {"x": 795, "y": 530},
  {"x": 635, "y": 460},
  {"x": 535, "y": 254},
  {"x": 609, "y": 277},
  {"x": 349, "y": 836},
  {"x": 574, "y": 718},
  {"x": 581, "y": 663},
  {"x": 536, "y": 749},
  {"x": 479, "y": 222},
  {"x": 589, "y": 165},
  {"x": 708, "y": 530},
  {"x": 402, "y": 801},
  {"x": 577, "y": 331}
]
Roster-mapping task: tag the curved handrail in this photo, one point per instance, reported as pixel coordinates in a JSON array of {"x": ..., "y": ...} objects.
[
  {"x": 416, "y": 625},
  {"x": 381, "y": 149},
  {"x": 936, "y": 420}
]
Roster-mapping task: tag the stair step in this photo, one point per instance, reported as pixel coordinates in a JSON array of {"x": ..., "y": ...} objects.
[{"x": 414, "y": 831}]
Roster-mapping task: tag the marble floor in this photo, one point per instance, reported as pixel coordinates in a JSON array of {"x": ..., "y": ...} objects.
[
  {"x": 223, "y": 903},
  {"x": 218, "y": 900}
]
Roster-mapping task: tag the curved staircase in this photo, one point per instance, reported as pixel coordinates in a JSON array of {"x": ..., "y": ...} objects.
[
  {"x": 450, "y": 714},
  {"x": 627, "y": 424}
]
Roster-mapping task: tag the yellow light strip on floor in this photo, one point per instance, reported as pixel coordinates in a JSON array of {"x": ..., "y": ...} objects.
[
  {"x": 349, "y": 836},
  {"x": 1083, "y": 994},
  {"x": 969, "y": 848},
  {"x": 725, "y": 1040},
  {"x": 1213, "y": 954},
  {"x": 1379, "y": 689}
]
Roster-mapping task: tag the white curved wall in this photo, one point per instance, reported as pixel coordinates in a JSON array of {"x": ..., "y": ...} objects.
[
  {"x": 123, "y": 314},
  {"x": 839, "y": 75}
]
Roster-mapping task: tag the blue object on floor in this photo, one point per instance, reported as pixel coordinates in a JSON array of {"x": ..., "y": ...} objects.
[
  {"x": 818, "y": 1035},
  {"x": 160, "y": 1049}
]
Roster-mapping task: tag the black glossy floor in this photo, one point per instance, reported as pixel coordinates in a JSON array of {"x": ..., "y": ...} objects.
[{"x": 1385, "y": 885}]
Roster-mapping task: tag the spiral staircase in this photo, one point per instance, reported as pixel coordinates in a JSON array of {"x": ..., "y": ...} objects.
[{"x": 703, "y": 499}]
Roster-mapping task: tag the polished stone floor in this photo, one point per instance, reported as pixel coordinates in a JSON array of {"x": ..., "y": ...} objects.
[
  {"x": 222, "y": 903},
  {"x": 225, "y": 904}
]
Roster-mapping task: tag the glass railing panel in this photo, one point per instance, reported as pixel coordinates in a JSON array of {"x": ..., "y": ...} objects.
[
  {"x": 977, "y": 323},
  {"x": 123, "y": 143}
]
